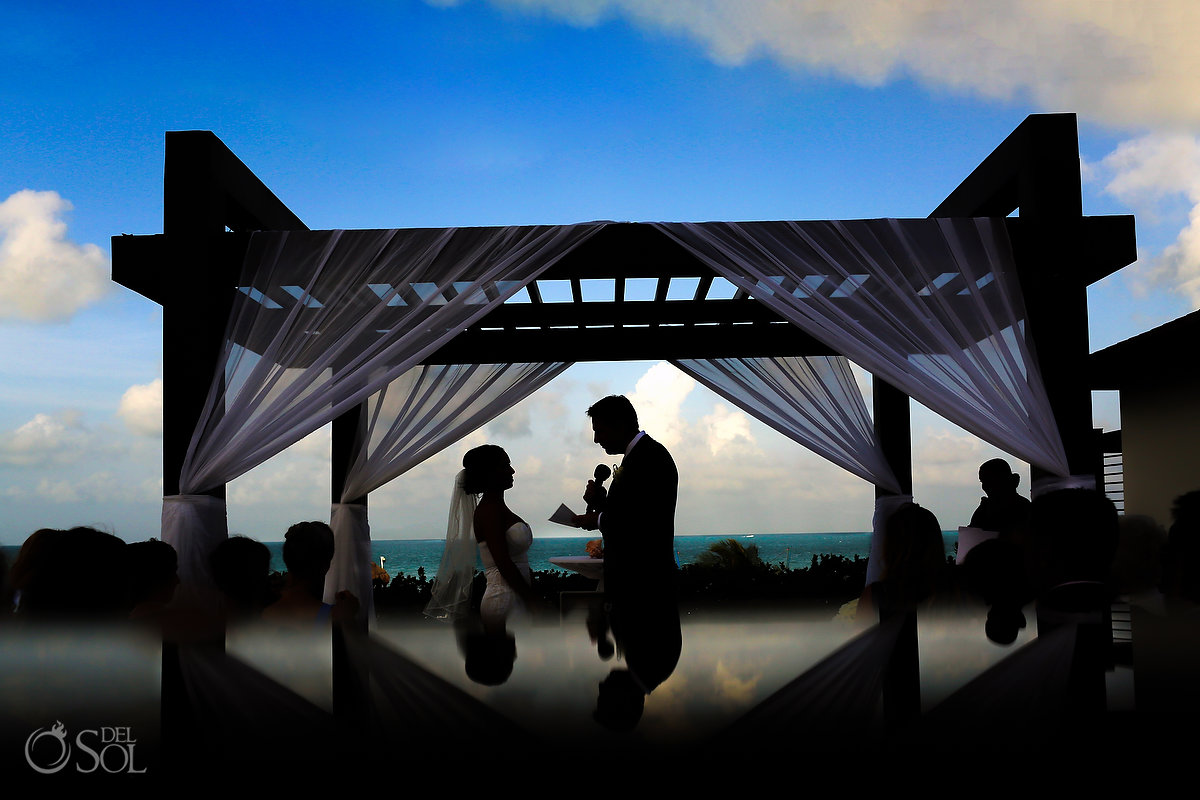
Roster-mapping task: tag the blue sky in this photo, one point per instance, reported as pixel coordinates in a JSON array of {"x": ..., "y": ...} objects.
[{"x": 407, "y": 113}]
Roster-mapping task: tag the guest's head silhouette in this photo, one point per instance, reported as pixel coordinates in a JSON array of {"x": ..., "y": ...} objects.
[
  {"x": 997, "y": 479},
  {"x": 308, "y": 551},
  {"x": 50, "y": 591},
  {"x": 1182, "y": 572},
  {"x": 241, "y": 569},
  {"x": 1075, "y": 534},
  {"x": 914, "y": 554},
  {"x": 153, "y": 576}
]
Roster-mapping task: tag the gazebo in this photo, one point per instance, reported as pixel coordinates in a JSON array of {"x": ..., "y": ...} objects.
[
  {"x": 978, "y": 313},
  {"x": 408, "y": 339}
]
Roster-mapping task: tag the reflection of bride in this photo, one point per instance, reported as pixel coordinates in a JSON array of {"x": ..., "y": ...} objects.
[{"x": 480, "y": 520}]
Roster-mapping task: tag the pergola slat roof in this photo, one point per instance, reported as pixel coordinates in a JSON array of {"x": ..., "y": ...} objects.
[{"x": 628, "y": 293}]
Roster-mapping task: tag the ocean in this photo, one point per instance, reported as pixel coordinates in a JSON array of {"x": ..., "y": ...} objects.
[{"x": 793, "y": 550}]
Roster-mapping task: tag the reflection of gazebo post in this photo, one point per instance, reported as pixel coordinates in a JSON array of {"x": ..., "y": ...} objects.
[
  {"x": 191, "y": 272},
  {"x": 902, "y": 679},
  {"x": 1057, "y": 252},
  {"x": 349, "y": 676}
]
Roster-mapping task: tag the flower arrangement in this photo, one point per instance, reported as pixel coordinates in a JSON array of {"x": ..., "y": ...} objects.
[{"x": 595, "y": 548}]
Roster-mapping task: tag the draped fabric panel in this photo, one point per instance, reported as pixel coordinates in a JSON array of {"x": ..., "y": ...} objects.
[
  {"x": 430, "y": 407},
  {"x": 194, "y": 525},
  {"x": 324, "y": 319},
  {"x": 932, "y": 306},
  {"x": 814, "y": 401},
  {"x": 350, "y": 569},
  {"x": 422, "y": 412}
]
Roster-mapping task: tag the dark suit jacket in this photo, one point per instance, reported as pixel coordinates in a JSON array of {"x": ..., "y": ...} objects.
[{"x": 638, "y": 524}]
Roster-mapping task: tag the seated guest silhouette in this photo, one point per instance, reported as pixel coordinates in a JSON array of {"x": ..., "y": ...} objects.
[
  {"x": 153, "y": 575},
  {"x": 1181, "y": 581},
  {"x": 1002, "y": 510},
  {"x": 307, "y": 553},
  {"x": 241, "y": 569},
  {"x": 914, "y": 564},
  {"x": 51, "y": 592}
]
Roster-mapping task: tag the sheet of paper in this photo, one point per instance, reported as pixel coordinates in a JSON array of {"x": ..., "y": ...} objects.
[
  {"x": 564, "y": 516},
  {"x": 968, "y": 538}
]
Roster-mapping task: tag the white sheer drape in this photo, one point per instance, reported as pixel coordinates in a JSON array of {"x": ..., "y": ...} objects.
[
  {"x": 814, "y": 401},
  {"x": 430, "y": 407},
  {"x": 931, "y": 306},
  {"x": 350, "y": 569},
  {"x": 425, "y": 410},
  {"x": 324, "y": 319},
  {"x": 194, "y": 525}
]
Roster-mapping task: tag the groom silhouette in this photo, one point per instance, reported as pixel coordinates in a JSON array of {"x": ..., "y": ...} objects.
[{"x": 637, "y": 521}]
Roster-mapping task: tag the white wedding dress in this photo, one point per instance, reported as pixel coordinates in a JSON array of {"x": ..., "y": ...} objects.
[{"x": 500, "y": 601}]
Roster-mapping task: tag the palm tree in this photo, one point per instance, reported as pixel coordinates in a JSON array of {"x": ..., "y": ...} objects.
[{"x": 730, "y": 554}]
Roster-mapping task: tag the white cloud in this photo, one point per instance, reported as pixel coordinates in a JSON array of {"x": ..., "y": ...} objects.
[
  {"x": 43, "y": 276},
  {"x": 514, "y": 424},
  {"x": 286, "y": 480},
  {"x": 658, "y": 399},
  {"x": 47, "y": 439},
  {"x": 946, "y": 458},
  {"x": 734, "y": 688},
  {"x": 1123, "y": 63},
  {"x": 317, "y": 445},
  {"x": 728, "y": 428},
  {"x": 1159, "y": 176},
  {"x": 99, "y": 487},
  {"x": 141, "y": 408}
]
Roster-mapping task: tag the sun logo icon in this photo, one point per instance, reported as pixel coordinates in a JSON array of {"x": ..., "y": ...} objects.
[{"x": 56, "y": 733}]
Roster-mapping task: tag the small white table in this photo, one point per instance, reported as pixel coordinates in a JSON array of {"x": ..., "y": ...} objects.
[{"x": 586, "y": 566}]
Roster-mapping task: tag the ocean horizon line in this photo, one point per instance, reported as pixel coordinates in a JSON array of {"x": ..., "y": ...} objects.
[{"x": 596, "y": 534}]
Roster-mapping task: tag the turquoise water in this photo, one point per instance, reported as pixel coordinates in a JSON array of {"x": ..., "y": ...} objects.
[{"x": 793, "y": 550}]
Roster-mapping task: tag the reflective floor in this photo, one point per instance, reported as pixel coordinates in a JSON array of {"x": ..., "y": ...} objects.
[{"x": 105, "y": 683}]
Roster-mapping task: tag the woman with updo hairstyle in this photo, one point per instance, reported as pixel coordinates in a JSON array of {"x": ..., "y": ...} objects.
[
  {"x": 480, "y": 522},
  {"x": 914, "y": 563},
  {"x": 486, "y": 467}
]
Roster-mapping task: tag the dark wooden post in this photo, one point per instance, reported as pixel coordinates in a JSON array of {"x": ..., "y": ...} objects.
[
  {"x": 893, "y": 427},
  {"x": 198, "y": 295},
  {"x": 191, "y": 269},
  {"x": 348, "y": 434}
]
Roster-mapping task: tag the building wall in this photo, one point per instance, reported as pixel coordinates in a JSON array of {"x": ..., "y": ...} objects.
[{"x": 1160, "y": 435}]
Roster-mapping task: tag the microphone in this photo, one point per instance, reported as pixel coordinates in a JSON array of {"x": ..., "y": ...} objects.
[{"x": 601, "y": 474}]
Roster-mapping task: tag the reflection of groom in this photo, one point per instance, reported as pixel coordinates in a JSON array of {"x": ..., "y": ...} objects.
[{"x": 637, "y": 520}]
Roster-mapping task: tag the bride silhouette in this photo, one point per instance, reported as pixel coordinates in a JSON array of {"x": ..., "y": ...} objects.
[{"x": 480, "y": 521}]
